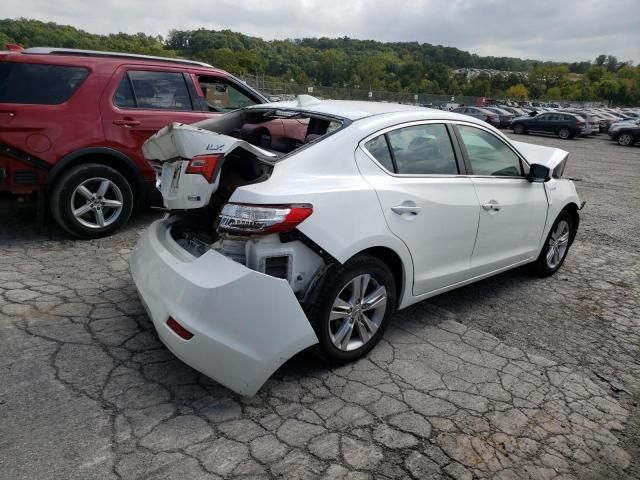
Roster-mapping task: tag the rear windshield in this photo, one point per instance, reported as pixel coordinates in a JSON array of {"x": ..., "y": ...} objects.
[{"x": 37, "y": 83}]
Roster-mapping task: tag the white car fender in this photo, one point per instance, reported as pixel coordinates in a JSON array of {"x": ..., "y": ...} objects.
[{"x": 560, "y": 193}]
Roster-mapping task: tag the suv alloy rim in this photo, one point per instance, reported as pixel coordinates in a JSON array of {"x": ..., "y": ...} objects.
[
  {"x": 96, "y": 203},
  {"x": 558, "y": 244},
  {"x": 564, "y": 133},
  {"x": 360, "y": 306}
]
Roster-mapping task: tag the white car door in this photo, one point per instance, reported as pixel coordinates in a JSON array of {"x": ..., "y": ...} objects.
[
  {"x": 513, "y": 210},
  {"x": 414, "y": 169}
]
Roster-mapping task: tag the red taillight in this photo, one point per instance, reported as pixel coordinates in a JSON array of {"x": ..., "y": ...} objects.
[
  {"x": 580, "y": 124},
  {"x": 179, "y": 329},
  {"x": 205, "y": 165},
  {"x": 13, "y": 47},
  {"x": 261, "y": 219}
]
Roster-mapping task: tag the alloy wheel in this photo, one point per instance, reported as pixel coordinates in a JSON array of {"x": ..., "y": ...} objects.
[
  {"x": 558, "y": 244},
  {"x": 357, "y": 312},
  {"x": 96, "y": 203},
  {"x": 564, "y": 133},
  {"x": 625, "y": 139}
]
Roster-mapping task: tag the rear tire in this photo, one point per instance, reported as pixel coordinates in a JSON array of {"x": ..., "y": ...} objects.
[
  {"x": 625, "y": 140},
  {"x": 348, "y": 320},
  {"x": 518, "y": 129},
  {"x": 564, "y": 133},
  {"x": 556, "y": 246},
  {"x": 91, "y": 200}
]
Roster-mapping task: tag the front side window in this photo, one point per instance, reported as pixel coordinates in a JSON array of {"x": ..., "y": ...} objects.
[
  {"x": 223, "y": 97},
  {"x": 488, "y": 154},
  {"x": 153, "y": 90},
  {"x": 423, "y": 150},
  {"x": 39, "y": 84}
]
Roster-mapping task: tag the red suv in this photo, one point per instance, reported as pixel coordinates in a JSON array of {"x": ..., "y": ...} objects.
[{"x": 72, "y": 124}]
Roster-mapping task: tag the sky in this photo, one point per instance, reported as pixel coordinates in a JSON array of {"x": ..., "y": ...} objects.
[{"x": 561, "y": 30}]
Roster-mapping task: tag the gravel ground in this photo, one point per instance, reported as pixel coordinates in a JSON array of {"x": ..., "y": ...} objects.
[{"x": 513, "y": 377}]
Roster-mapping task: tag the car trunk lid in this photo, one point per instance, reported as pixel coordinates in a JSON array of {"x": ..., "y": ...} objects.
[{"x": 171, "y": 151}]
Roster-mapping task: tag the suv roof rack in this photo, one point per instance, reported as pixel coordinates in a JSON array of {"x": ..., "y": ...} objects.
[{"x": 97, "y": 53}]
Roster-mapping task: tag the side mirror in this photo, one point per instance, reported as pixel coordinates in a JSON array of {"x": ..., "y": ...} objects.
[{"x": 538, "y": 173}]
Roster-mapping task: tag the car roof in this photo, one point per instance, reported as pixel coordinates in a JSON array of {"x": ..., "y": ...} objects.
[
  {"x": 102, "y": 56},
  {"x": 351, "y": 109}
]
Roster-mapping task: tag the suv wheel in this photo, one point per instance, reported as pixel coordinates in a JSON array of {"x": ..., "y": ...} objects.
[
  {"x": 564, "y": 133},
  {"x": 91, "y": 200},
  {"x": 626, "y": 140},
  {"x": 519, "y": 129},
  {"x": 353, "y": 308}
]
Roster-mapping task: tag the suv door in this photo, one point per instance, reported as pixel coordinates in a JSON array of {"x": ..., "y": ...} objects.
[
  {"x": 139, "y": 101},
  {"x": 513, "y": 210},
  {"x": 426, "y": 203}
]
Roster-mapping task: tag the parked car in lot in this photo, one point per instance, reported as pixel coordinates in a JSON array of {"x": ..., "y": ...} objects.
[
  {"x": 72, "y": 124},
  {"x": 481, "y": 114},
  {"x": 267, "y": 252},
  {"x": 564, "y": 125},
  {"x": 625, "y": 133},
  {"x": 504, "y": 116}
]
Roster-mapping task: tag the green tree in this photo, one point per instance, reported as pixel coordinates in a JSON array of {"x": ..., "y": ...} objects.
[{"x": 517, "y": 92}]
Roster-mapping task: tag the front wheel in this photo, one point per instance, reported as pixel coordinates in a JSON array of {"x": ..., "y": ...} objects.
[
  {"x": 556, "y": 246},
  {"x": 353, "y": 308},
  {"x": 518, "y": 129},
  {"x": 625, "y": 140},
  {"x": 564, "y": 133},
  {"x": 91, "y": 200}
]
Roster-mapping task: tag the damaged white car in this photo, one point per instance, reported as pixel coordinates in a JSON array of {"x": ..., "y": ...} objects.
[{"x": 272, "y": 246}]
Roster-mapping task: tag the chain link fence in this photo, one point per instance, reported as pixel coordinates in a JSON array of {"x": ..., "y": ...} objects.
[{"x": 289, "y": 90}]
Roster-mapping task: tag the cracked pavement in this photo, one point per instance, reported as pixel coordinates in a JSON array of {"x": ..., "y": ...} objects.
[{"x": 513, "y": 377}]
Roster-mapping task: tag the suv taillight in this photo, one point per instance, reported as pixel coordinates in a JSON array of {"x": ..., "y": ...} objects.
[
  {"x": 579, "y": 123},
  {"x": 250, "y": 219},
  {"x": 205, "y": 165}
]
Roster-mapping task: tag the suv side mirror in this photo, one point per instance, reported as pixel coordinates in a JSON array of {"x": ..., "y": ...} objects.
[{"x": 538, "y": 173}]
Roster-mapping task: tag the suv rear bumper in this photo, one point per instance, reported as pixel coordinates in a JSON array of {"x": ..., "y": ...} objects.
[{"x": 245, "y": 324}]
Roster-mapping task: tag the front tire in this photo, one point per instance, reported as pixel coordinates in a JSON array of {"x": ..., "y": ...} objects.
[
  {"x": 353, "y": 308},
  {"x": 556, "y": 246},
  {"x": 625, "y": 140},
  {"x": 91, "y": 200},
  {"x": 518, "y": 129}
]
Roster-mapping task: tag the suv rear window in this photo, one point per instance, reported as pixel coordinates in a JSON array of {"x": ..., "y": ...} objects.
[{"x": 38, "y": 83}]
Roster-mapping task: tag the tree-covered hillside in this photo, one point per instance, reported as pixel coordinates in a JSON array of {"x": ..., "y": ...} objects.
[{"x": 408, "y": 67}]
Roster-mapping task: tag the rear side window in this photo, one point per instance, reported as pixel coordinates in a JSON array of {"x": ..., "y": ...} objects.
[
  {"x": 38, "y": 83},
  {"x": 380, "y": 150},
  {"x": 415, "y": 150},
  {"x": 153, "y": 90},
  {"x": 423, "y": 150}
]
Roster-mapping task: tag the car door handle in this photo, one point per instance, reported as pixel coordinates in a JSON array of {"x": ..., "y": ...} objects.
[
  {"x": 491, "y": 206},
  {"x": 127, "y": 122},
  {"x": 401, "y": 209}
]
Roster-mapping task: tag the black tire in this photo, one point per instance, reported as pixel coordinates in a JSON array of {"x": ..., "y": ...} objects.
[
  {"x": 541, "y": 266},
  {"x": 335, "y": 281},
  {"x": 564, "y": 133},
  {"x": 625, "y": 139},
  {"x": 518, "y": 129},
  {"x": 62, "y": 197}
]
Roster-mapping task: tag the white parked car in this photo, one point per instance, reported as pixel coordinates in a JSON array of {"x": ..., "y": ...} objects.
[{"x": 275, "y": 246}]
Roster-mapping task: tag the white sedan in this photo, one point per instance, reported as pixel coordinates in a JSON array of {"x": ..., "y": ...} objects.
[{"x": 273, "y": 245}]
